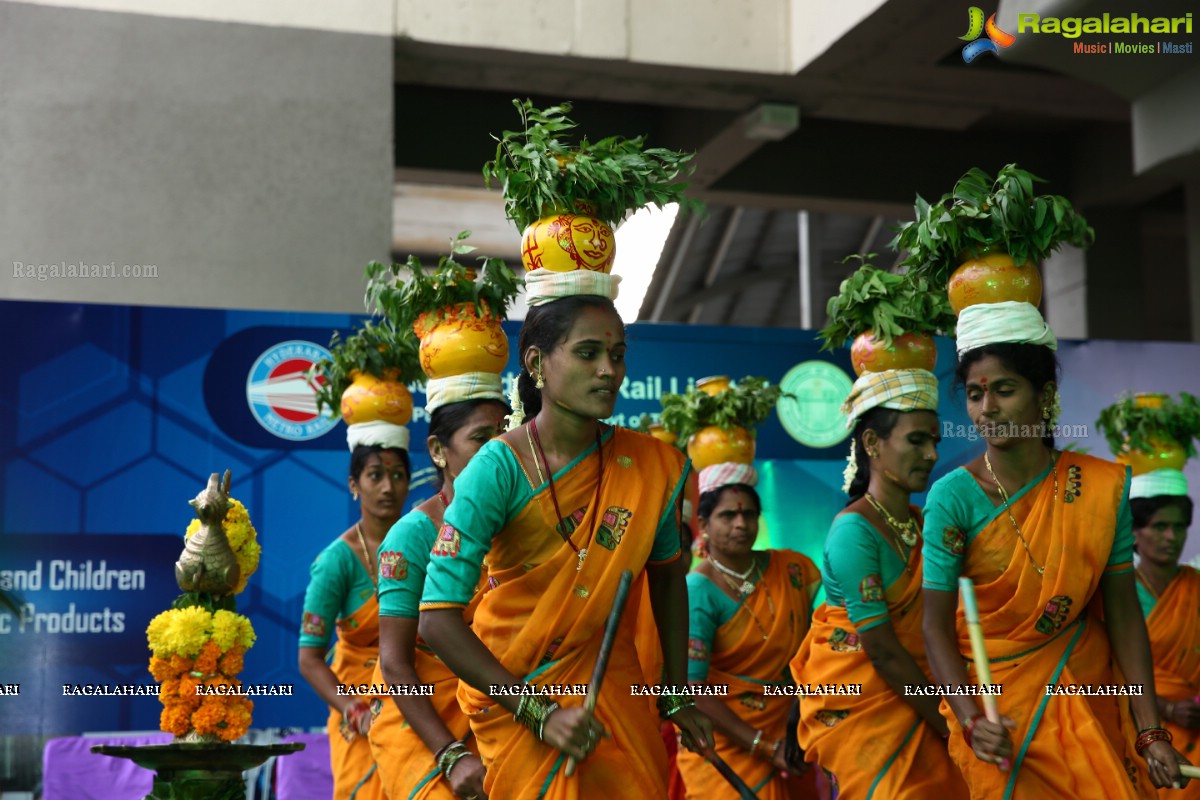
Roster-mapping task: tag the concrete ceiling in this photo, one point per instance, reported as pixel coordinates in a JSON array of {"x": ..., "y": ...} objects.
[{"x": 888, "y": 111}]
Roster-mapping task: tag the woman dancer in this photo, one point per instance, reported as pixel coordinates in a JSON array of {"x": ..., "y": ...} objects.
[{"x": 561, "y": 506}]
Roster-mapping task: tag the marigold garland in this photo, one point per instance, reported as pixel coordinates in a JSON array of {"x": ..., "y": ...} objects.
[{"x": 193, "y": 647}]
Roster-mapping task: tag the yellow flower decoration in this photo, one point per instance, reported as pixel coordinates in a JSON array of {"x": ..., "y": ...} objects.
[
  {"x": 231, "y": 630},
  {"x": 243, "y": 539},
  {"x": 187, "y": 630}
]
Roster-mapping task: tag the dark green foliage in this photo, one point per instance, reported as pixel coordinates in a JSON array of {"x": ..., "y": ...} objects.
[
  {"x": 886, "y": 304},
  {"x": 745, "y": 404},
  {"x": 983, "y": 214},
  {"x": 1179, "y": 421},
  {"x": 541, "y": 171}
]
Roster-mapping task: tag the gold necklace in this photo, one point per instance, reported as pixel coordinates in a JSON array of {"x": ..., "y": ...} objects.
[
  {"x": 367, "y": 555},
  {"x": 533, "y": 454},
  {"x": 1141, "y": 576},
  {"x": 747, "y": 586},
  {"x": 907, "y": 531},
  {"x": 745, "y": 596},
  {"x": 987, "y": 462}
]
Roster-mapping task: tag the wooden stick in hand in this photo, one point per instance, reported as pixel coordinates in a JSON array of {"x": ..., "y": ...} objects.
[{"x": 606, "y": 646}]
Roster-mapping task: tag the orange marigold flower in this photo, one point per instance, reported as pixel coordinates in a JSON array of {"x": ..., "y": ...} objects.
[
  {"x": 169, "y": 690},
  {"x": 208, "y": 718},
  {"x": 206, "y": 662},
  {"x": 175, "y": 720},
  {"x": 160, "y": 668},
  {"x": 233, "y": 662}
]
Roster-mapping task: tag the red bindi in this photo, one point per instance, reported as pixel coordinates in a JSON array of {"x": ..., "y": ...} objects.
[{"x": 983, "y": 381}]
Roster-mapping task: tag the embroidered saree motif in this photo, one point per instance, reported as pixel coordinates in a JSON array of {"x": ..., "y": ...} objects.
[
  {"x": 954, "y": 540},
  {"x": 1074, "y": 484},
  {"x": 393, "y": 565},
  {"x": 829, "y": 718},
  {"x": 313, "y": 625},
  {"x": 795, "y": 576},
  {"x": 871, "y": 589},
  {"x": 1055, "y": 614},
  {"x": 448, "y": 543},
  {"x": 612, "y": 527},
  {"x": 570, "y": 522},
  {"x": 697, "y": 650},
  {"x": 843, "y": 641},
  {"x": 753, "y": 700}
]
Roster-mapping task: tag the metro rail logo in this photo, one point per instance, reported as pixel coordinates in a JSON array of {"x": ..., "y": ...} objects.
[
  {"x": 282, "y": 399},
  {"x": 996, "y": 38}
]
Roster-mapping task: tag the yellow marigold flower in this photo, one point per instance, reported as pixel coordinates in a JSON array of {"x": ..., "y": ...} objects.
[
  {"x": 187, "y": 630},
  {"x": 156, "y": 634}
]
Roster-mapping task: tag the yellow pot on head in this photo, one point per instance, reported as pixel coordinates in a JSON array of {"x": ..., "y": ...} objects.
[
  {"x": 1149, "y": 400},
  {"x": 713, "y": 385},
  {"x": 565, "y": 242},
  {"x": 908, "y": 351},
  {"x": 1164, "y": 453},
  {"x": 370, "y": 398},
  {"x": 993, "y": 278},
  {"x": 662, "y": 434},
  {"x": 459, "y": 339},
  {"x": 713, "y": 445}
]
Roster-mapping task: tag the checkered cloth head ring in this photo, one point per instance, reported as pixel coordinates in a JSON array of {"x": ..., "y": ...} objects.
[
  {"x": 545, "y": 286},
  {"x": 901, "y": 389},
  {"x": 459, "y": 388}
]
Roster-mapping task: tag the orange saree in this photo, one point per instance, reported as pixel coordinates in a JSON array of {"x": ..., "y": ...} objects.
[
  {"x": 544, "y": 618},
  {"x": 407, "y": 769},
  {"x": 874, "y": 743},
  {"x": 750, "y": 655},
  {"x": 1044, "y": 630},
  {"x": 354, "y": 660},
  {"x": 1174, "y": 628}
]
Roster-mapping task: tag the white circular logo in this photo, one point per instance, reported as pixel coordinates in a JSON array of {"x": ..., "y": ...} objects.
[
  {"x": 281, "y": 398},
  {"x": 813, "y": 414}
]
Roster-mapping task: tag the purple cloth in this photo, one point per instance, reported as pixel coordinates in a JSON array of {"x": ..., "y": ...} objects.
[
  {"x": 71, "y": 771},
  {"x": 306, "y": 775}
]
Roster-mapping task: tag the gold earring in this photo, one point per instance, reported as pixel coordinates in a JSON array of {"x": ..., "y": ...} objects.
[
  {"x": 872, "y": 454},
  {"x": 440, "y": 463},
  {"x": 1046, "y": 413},
  {"x": 354, "y": 494},
  {"x": 540, "y": 383}
]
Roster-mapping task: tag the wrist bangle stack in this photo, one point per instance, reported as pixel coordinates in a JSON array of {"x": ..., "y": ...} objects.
[
  {"x": 532, "y": 713},
  {"x": 1148, "y": 736},
  {"x": 969, "y": 728},
  {"x": 450, "y": 755},
  {"x": 670, "y": 704}
]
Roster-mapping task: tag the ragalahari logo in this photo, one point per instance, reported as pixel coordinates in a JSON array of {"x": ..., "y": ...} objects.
[{"x": 996, "y": 38}]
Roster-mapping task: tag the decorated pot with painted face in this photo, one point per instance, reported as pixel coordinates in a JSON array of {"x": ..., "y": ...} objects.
[{"x": 564, "y": 242}]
